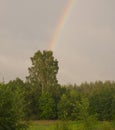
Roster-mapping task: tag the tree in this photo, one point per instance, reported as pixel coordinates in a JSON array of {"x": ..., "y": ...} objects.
[
  {"x": 68, "y": 106},
  {"x": 88, "y": 120},
  {"x": 43, "y": 71},
  {"x": 42, "y": 79},
  {"x": 32, "y": 96},
  {"x": 101, "y": 102},
  {"x": 11, "y": 108},
  {"x": 47, "y": 107}
]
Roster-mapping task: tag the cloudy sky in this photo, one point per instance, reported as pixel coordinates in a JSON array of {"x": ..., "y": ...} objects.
[{"x": 85, "y": 49}]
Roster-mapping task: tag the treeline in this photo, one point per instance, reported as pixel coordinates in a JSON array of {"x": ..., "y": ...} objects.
[
  {"x": 28, "y": 102},
  {"x": 41, "y": 97}
]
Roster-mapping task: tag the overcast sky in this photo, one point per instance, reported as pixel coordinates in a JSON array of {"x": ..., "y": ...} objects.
[{"x": 85, "y": 50}]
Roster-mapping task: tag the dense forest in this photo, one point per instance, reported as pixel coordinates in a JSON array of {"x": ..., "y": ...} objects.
[{"x": 41, "y": 97}]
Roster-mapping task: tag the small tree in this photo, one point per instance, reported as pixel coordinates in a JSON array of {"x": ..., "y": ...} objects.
[
  {"x": 68, "y": 106},
  {"x": 47, "y": 107},
  {"x": 11, "y": 109},
  {"x": 101, "y": 103},
  {"x": 88, "y": 120}
]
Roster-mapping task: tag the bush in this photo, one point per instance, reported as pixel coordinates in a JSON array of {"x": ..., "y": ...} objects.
[
  {"x": 11, "y": 109},
  {"x": 47, "y": 107}
]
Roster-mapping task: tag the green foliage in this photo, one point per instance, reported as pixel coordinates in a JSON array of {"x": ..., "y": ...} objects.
[
  {"x": 32, "y": 96},
  {"x": 102, "y": 103},
  {"x": 41, "y": 97},
  {"x": 47, "y": 107},
  {"x": 89, "y": 121},
  {"x": 113, "y": 106},
  {"x": 43, "y": 71},
  {"x": 11, "y": 108},
  {"x": 42, "y": 79},
  {"x": 68, "y": 106}
]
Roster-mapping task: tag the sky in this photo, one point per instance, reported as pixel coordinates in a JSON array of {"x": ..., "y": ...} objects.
[{"x": 85, "y": 48}]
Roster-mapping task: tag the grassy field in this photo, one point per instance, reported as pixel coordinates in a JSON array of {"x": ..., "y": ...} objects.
[
  {"x": 42, "y": 125},
  {"x": 56, "y": 125}
]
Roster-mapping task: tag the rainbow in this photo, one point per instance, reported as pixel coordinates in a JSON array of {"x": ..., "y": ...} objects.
[{"x": 61, "y": 23}]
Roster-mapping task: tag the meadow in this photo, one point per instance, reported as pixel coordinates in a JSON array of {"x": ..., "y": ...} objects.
[{"x": 71, "y": 125}]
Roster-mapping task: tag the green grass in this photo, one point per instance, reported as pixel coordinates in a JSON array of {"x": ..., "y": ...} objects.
[
  {"x": 71, "y": 126},
  {"x": 42, "y": 127}
]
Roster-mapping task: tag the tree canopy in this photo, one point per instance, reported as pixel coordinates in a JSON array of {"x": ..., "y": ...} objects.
[{"x": 43, "y": 71}]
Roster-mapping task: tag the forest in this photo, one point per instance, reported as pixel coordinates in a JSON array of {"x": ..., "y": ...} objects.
[{"x": 41, "y": 97}]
